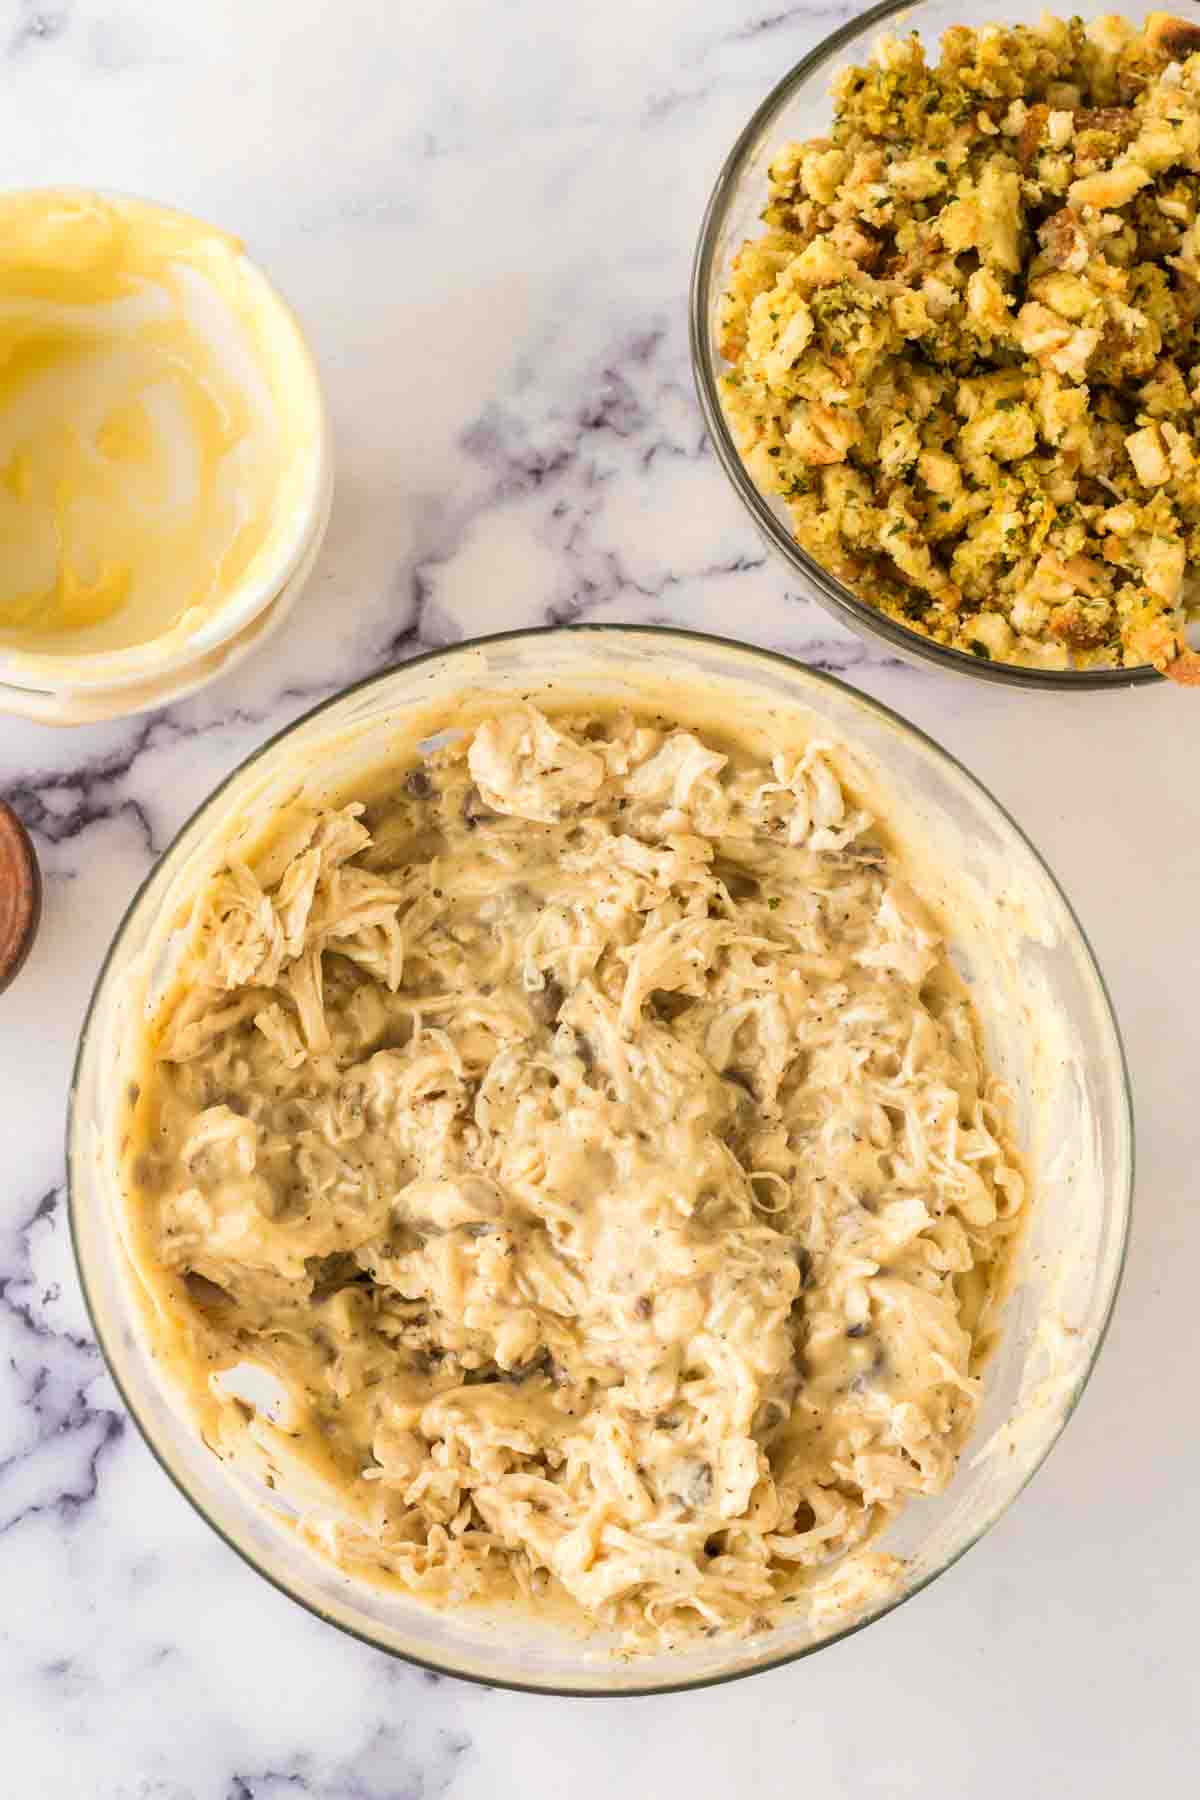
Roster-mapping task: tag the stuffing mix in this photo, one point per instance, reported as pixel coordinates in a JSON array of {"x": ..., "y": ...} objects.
[{"x": 964, "y": 351}]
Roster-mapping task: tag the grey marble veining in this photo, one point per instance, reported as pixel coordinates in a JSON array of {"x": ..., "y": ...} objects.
[{"x": 485, "y": 218}]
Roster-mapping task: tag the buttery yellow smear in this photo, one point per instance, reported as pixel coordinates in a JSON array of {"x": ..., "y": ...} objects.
[{"x": 137, "y": 472}]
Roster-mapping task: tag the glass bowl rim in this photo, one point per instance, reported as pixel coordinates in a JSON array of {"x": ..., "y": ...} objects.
[
  {"x": 833, "y": 594},
  {"x": 1123, "y": 1197}
]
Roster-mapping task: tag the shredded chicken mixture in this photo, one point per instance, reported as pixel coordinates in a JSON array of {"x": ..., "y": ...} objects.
[
  {"x": 590, "y": 1140},
  {"x": 965, "y": 349}
]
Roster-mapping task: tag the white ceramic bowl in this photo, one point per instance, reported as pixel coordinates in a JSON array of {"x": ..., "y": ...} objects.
[
  {"x": 77, "y": 687},
  {"x": 1049, "y": 1029}
]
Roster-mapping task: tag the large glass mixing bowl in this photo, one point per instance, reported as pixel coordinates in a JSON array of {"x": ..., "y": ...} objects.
[{"x": 1050, "y": 1033}]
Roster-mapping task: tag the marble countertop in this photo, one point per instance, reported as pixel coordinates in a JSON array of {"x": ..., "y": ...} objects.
[{"x": 485, "y": 217}]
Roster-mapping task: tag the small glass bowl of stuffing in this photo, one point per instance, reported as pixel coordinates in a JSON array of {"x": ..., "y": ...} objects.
[
  {"x": 943, "y": 320},
  {"x": 600, "y": 1160}
]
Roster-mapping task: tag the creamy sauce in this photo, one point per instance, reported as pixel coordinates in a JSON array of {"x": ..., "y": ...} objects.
[
  {"x": 589, "y": 1146},
  {"x": 140, "y": 456}
]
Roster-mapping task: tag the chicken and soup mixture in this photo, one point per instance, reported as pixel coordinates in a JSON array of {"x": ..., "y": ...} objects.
[
  {"x": 590, "y": 1138},
  {"x": 965, "y": 350}
]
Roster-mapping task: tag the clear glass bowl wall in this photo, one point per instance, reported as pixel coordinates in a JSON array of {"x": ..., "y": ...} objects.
[
  {"x": 799, "y": 108},
  {"x": 1073, "y": 1105}
]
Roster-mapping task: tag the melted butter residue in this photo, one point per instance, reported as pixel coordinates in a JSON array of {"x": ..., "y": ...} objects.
[{"x": 137, "y": 464}]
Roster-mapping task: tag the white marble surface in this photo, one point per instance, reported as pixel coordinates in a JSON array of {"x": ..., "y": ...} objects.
[{"x": 485, "y": 216}]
